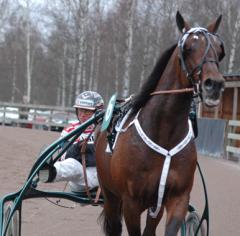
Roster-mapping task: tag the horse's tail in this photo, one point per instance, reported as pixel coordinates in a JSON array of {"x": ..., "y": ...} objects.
[{"x": 111, "y": 226}]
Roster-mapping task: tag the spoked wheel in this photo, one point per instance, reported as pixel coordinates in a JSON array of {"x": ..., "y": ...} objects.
[
  {"x": 14, "y": 225},
  {"x": 191, "y": 225}
]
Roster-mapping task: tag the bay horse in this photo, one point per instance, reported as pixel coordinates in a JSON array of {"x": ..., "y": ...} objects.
[{"x": 154, "y": 159}]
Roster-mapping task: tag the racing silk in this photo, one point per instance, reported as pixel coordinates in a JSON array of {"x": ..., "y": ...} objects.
[
  {"x": 74, "y": 151},
  {"x": 83, "y": 136}
]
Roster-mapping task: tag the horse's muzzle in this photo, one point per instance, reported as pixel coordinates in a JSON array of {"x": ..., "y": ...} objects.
[{"x": 212, "y": 90}]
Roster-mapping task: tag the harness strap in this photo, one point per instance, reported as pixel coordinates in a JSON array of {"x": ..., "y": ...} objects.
[
  {"x": 119, "y": 128},
  {"x": 83, "y": 156},
  {"x": 87, "y": 189},
  {"x": 158, "y": 148},
  {"x": 97, "y": 195},
  {"x": 168, "y": 155},
  {"x": 161, "y": 187}
]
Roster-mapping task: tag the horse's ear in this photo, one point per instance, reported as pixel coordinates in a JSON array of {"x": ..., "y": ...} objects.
[
  {"x": 183, "y": 26},
  {"x": 213, "y": 27}
]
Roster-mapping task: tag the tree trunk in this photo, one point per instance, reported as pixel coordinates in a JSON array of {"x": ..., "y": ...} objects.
[
  {"x": 146, "y": 45},
  {"x": 92, "y": 63},
  {"x": 72, "y": 84},
  {"x": 233, "y": 44},
  {"x": 84, "y": 65},
  {"x": 81, "y": 71},
  {"x": 14, "y": 78},
  {"x": 116, "y": 64},
  {"x": 128, "y": 53},
  {"x": 80, "y": 61},
  {"x": 28, "y": 53},
  {"x": 95, "y": 82},
  {"x": 63, "y": 79},
  {"x": 97, "y": 43},
  {"x": 58, "y": 100}
]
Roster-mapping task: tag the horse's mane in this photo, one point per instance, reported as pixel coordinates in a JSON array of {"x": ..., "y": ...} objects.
[{"x": 150, "y": 84}]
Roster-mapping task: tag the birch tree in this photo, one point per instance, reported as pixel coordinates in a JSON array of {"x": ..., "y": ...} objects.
[
  {"x": 129, "y": 47},
  {"x": 117, "y": 58},
  {"x": 28, "y": 51},
  {"x": 63, "y": 79},
  {"x": 113, "y": 32},
  {"x": 147, "y": 31},
  {"x": 14, "y": 78},
  {"x": 81, "y": 13},
  {"x": 96, "y": 47},
  {"x": 26, "y": 7},
  {"x": 100, "y": 45},
  {"x": 234, "y": 39},
  {"x": 4, "y": 14},
  {"x": 61, "y": 89},
  {"x": 11, "y": 48}
]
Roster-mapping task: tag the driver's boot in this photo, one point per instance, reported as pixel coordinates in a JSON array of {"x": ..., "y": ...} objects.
[{"x": 47, "y": 174}]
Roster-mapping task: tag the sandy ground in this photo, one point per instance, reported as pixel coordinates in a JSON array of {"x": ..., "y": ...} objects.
[{"x": 20, "y": 147}]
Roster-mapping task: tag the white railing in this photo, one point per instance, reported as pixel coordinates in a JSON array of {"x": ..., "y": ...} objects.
[
  {"x": 233, "y": 140},
  {"x": 36, "y": 116}
]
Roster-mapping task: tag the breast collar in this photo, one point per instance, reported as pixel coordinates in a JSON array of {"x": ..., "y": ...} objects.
[{"x": 168, "y": 154}]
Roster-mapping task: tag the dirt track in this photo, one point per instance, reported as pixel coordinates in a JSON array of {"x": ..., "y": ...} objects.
[{"x": 19, "y": 147}]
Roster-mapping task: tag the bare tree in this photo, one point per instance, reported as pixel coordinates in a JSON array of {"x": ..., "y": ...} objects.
[
  {"x": 14, "y": 78},
  {"x": 235, "y": 26},
  {"x": 28, "y": 51},
  {"x": 26, "y": 6},
  {"x": 147, "y": 31},
  {"x": 80, "y": 14},
  {"x": 4, "y": 13},
  {"x": 129, "y": 47},
  {"x": 97, "y": 43},
  {"x": 101, "y": 45}
]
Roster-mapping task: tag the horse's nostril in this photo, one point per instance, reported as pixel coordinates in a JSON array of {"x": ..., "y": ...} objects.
[
  {"x": 220, "y": 85},
  {"x": 213, "y": 84},
  {"x": 208, "y": 84}
]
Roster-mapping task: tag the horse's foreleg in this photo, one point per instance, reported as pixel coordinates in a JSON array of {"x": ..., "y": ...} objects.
[
  {"x": 152, "y": 223},
  {"x": 112, "y": 214},
  {"x": 132, "y": 215},
  {"x": 176, "y": 211}
]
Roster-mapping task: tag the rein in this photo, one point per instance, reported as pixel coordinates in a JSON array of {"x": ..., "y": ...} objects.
[
  {"x": 185, "y": 90},
  {"x": 83, "y": 157}
]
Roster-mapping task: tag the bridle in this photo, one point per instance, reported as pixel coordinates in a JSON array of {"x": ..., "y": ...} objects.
[{"x": 197, "y": 70}]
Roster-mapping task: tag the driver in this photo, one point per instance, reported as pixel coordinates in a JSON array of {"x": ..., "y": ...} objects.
[{"x": 71, "y": 169}]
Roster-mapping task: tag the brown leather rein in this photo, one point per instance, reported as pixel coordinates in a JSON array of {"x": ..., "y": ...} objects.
[
  {"x": 83, "y": 157},
  {"x": 185, "y": 90}
]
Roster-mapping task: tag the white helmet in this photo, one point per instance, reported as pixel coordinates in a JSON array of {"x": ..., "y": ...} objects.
[{"x": 89, "y": 100}]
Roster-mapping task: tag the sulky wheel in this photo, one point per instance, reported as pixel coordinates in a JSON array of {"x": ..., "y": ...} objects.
[
  {"x": 192, "y": 223},
  {"x": 13, "y": 227}
]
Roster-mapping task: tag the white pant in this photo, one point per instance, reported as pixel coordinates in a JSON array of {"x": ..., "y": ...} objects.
[{"x": 71, "y": 170}]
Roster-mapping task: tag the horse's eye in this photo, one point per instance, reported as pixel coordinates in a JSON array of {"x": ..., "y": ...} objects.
[
  {"x": 219, "y": 43},
  {"x": 222, "y": 54},
  {"x": 186, "y": 50}
]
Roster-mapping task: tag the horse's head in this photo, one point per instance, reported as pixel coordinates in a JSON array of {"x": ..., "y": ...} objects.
[{"x": 200, "y": 51}]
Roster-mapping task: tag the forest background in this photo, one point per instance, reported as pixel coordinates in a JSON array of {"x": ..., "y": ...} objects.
[{"x": 51, "y": 50}]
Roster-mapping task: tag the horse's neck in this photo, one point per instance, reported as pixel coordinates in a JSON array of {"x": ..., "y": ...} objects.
[
  {"x": 171, "y": 104},
  {"x": 168, "y": 113}
]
